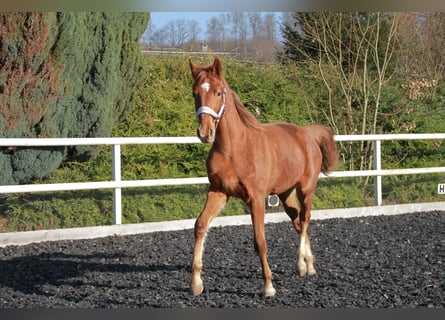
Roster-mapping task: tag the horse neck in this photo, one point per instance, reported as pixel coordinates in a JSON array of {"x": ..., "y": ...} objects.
[{"x": 231, "y": 130}]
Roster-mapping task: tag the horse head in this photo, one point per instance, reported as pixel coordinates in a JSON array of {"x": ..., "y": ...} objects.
[{"x": 209, "y": 92}]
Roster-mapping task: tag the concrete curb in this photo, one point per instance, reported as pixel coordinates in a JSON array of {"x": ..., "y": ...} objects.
[{"x": 26, "y": 237}]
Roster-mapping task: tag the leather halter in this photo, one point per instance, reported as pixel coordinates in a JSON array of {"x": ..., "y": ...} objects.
[{"x": 208, "y": 110}]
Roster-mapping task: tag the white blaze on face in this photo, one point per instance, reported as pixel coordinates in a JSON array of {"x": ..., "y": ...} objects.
[{"x": 205, "y": 86}]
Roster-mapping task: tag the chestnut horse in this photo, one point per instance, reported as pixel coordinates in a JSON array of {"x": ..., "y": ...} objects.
[{"x": 250, "y": 160}]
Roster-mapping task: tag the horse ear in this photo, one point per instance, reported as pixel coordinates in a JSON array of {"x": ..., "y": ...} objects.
[
  {"x": 194, "y": 68},
  {"x": 217, "y": 67}
]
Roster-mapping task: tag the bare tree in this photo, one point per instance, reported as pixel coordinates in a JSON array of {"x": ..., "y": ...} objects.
[
  {"x": 159, "y": 38},
  {"x": 421, "y": 55},
  {"x": 213, "y": 34},
  {"x": 177, "y": 33},
  {"x": 224, "y": 20},
  {"x": 218, "y": 31},
  {"x": 236, "y": 19},
  {"x": 352, "y": 53},
  {"x": 255, "y": 24},
  {"x": 194, "y": 31},
  {"x": 270, "y": 25},
  {"x": 239, "y": 30}
]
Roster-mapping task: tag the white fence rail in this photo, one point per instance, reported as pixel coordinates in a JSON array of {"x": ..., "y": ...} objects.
[{"x": 117, "y": 183}]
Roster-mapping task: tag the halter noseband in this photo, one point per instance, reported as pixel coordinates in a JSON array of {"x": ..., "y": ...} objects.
[{"x": 208, "y": 110}]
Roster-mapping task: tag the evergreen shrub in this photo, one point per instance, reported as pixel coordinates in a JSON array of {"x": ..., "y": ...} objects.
[{"x": 67, "y": 74}]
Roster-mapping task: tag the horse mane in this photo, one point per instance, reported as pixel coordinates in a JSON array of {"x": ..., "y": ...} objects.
[{"x": 247, "y": 118}]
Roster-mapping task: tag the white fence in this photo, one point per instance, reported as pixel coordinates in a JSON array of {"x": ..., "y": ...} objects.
[{"x": 117, "y": 183}]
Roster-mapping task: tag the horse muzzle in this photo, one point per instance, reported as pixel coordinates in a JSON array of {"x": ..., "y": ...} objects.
[
  {"x": 206, "y": 134},
  {"x": 208, "y": 122}
]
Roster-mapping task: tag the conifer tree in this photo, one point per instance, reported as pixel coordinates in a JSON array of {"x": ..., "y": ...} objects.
[{"x": 64, "y": 75}]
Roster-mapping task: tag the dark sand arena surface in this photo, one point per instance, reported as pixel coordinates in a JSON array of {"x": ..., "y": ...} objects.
[{"x": 383, "y": 261}]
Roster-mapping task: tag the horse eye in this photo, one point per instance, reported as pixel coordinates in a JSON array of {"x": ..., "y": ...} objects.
[{"x": 218, "y": 94}]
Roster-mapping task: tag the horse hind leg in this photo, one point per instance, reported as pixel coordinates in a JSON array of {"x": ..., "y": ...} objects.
[
  {"x": 305, "y": 263},
  {"x": 298, "y": 216}
]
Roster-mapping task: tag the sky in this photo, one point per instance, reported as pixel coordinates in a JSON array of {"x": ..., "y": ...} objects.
[{"x": 160, "y": 19}]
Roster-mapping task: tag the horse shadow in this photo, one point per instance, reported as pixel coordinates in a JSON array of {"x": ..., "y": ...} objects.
[{"x": 31, "y": 274}]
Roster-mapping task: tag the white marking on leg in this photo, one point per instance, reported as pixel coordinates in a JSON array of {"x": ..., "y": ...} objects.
[
  {"x": 269, "y": 290},
  {"x": 197, "y": 284},
  {"x": 309, "y": 259},
  {"x": 205, "y": 86},
  {"x": 301, "y": 263}
]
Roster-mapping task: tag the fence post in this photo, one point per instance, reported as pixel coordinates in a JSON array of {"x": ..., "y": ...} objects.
[
  {"x": 117, "y": 192},
  {"x": 378, "y": 179}
]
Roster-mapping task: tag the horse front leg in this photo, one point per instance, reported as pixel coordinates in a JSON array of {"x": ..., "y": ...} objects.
[
  {"x": 257, "y": 208},
  {"x": 214, "y": 204}
]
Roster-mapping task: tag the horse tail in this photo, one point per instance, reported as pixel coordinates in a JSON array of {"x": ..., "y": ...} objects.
[{"x": 324, "y": 136}]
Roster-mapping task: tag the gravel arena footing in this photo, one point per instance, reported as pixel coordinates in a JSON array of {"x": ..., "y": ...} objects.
[{"x": 377, "y": 262}]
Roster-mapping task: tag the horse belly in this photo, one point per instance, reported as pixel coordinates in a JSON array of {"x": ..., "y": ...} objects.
[
  {"x": 283, "y": 182},
  {"x": 287, "y": 170}
]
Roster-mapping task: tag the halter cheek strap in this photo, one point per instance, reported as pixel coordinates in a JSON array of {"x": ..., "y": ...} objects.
[{"x": 208, "y": 110}]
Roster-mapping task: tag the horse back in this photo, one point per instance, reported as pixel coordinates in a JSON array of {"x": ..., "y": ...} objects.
[{"x": 298, "y": 153}]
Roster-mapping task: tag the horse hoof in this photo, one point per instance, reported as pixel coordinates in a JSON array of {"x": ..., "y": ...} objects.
[
  {"x": 196, "y": 290},
  {"x": 311, "y": 271},
  {"x": 269, "y": 292},
  {"x": 302, "y": 269}
]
